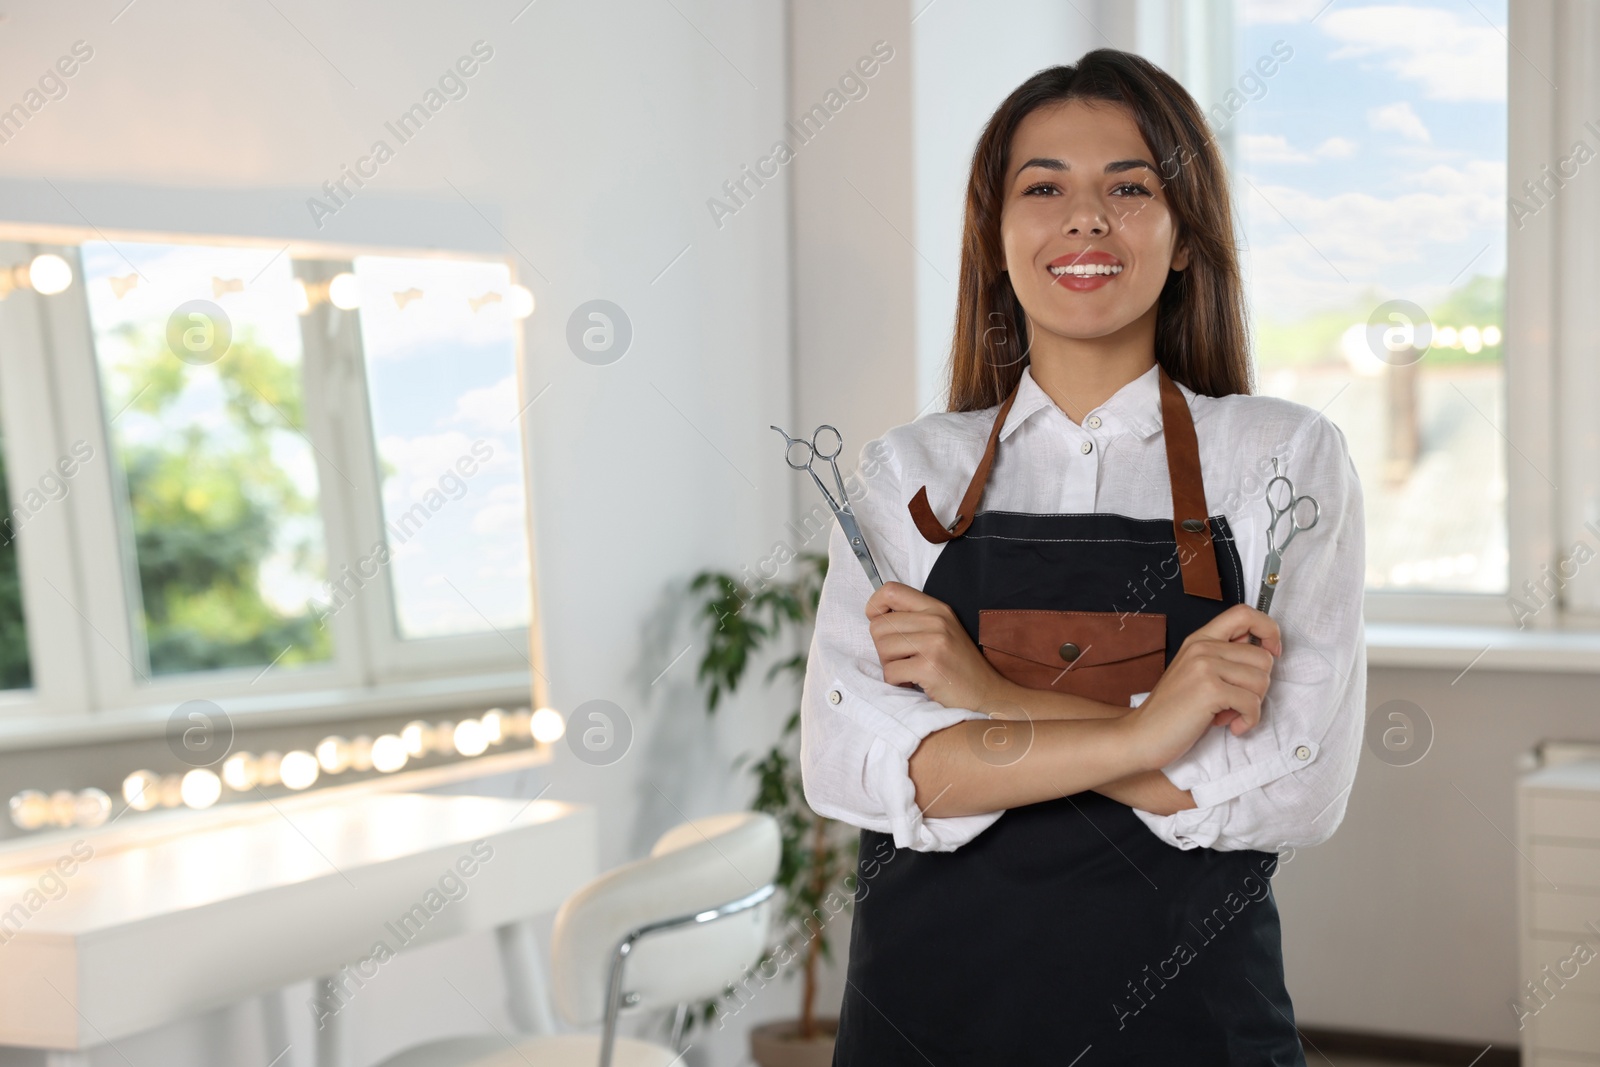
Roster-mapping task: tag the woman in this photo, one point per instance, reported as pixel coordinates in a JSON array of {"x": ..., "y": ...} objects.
[{"x": 1051, "y": 722}]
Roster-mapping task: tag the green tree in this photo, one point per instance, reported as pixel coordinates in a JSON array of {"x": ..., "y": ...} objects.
[{"x": 206, "y": 505}]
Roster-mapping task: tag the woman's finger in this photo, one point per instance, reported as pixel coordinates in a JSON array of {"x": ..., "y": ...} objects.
[
  {"x": 1240, "y": 623},
  {"x": 897, "y": 596}
]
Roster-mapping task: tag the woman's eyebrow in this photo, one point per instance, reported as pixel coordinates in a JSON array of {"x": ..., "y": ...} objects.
[{"x": 1115, "y": 167}]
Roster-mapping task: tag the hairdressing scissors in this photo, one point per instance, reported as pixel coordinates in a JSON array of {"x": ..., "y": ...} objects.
[
  {"x": 1272, "y": 567},
  {"x": 841, "y": 507}
]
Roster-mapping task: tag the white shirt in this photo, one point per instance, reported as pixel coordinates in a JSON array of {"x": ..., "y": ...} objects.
[{"x": 1282, "y": 783}]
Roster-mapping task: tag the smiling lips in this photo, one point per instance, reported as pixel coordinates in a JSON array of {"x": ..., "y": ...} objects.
[{"x": 1081, "y": 271}]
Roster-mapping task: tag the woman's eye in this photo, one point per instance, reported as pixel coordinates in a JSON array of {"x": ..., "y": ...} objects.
[{"x": 1138, "y": 190}]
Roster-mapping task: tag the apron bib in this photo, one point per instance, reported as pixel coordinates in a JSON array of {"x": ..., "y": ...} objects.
[{"x": 1067, "y": 932}]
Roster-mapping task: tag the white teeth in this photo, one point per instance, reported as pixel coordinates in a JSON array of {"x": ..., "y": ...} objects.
[{"x": 1086, "y": 271}]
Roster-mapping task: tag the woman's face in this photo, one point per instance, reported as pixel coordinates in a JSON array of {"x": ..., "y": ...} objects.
[{"x": 1084, "y": 192}]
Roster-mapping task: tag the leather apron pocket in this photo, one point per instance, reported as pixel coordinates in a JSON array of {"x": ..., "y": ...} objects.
[{"x": 1101, "y": 655}]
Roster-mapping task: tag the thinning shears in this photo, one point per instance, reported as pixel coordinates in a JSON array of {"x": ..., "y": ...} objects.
[
  {"x": 1272, "y": 567},
  {"x": 841, "y": 507}
]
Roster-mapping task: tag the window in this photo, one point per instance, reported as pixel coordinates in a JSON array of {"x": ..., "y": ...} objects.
[
  {"x": 441, "y": 378},
  {"x": 205, "y": 410},
  {"x": 1370, "y": 171},
  {"x": 16, "y": 670}
]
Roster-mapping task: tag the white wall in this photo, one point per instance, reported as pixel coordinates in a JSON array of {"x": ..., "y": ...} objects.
[{"x": 591, "y": 140}]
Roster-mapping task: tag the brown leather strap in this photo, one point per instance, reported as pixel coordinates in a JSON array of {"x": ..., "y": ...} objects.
[
  {"x": 922, "y": 511},
  {"x": 1197, "y": 559},
  {"x": 1191, "y": 526}
]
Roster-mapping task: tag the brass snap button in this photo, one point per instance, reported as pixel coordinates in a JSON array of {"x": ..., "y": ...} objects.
[
  {"x": 1070, "y": 652},
  {"x": 1194, "y": 525}
]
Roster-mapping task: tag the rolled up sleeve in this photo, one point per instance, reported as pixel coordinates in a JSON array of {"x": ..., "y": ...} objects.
[
  {"x": 1285, "y": 782},
  {"x": 857, "y": 731}
]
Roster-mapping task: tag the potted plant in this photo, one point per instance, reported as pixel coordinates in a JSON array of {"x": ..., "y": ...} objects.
[{"x": 817, "y": 871}]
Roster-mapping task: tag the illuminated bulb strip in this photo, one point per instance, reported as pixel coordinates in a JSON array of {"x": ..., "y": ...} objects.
[{"x": 199, "y": 788}]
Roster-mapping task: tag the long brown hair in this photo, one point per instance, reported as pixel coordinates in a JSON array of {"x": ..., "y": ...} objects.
[{"x": 1201, "y": 338}]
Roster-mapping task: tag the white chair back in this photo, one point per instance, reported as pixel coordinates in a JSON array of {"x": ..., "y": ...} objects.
[{"x": 694, "y": 869}]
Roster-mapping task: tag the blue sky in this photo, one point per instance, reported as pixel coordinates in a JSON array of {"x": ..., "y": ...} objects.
[{"x": 1382, "y": 140}]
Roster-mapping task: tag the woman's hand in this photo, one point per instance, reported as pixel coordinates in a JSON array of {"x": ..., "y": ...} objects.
[
  {"x": 921, "y": 642},
  {"x": 1217, "y": 679}
]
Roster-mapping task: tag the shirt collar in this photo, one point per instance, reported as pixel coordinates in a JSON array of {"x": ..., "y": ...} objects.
[{"x": 1135, "y": 408}]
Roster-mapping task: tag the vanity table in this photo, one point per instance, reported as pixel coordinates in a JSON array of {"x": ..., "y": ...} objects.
[{"x": 166, "y": 918}]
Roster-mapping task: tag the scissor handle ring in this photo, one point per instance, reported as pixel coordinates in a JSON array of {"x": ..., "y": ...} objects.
[
  {"x": 837, "y": 448},
  {"x": 1294, "y": 512},
  {"x": 789, "y": 449}
]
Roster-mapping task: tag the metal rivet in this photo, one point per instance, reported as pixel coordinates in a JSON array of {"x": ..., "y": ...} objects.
[
  {"x": 1086, "y": 447},
  {"x": 834, "y": 697},
  {"x": 1302, "y": 753},
  {"x": 1194, "y": 525},
  {"x": 1069, "y": 652}
]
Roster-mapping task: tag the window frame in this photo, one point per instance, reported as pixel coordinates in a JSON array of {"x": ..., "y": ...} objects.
[{"x": 83, "y": 648}]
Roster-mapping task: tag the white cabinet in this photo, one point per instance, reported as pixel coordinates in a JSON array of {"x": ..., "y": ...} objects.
[{"x": 1558, "y": 915}]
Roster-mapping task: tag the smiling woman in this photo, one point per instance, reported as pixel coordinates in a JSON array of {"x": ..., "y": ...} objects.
[{"x": 1059, "y": 711}]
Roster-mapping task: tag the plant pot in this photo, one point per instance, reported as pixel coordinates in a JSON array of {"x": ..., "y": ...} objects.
[{"x": 775, "y": 1044}]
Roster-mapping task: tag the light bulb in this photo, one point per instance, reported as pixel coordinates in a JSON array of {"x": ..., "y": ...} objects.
[
  {"x": 201, "y": 788},
  {"x": 547, "y": 726},
  {"x": 241, "y": 772},
  {"x": 494, "y": 723},
  {"x": 520, "y": 302},
  {"x": 361, "y": 753},
  {"x": 518, "y": 725},
  {"x": 139, "y": 789},
  {"x": 298, "y": 769},
  {"x": 49, "y": 274},
  {"x": 333, "y": 754},
  {"x": 92, "y": 808},
  {"x": 344, "y": 291},
  {"x": 389, "y": 753},
  {"x": 443, "y": 740},
  {"x": 470, "y": 738},
  {"x": 416, "y": 736},
  {"x": 302, "y": 297},
  {"x": 30, "y": 809}
]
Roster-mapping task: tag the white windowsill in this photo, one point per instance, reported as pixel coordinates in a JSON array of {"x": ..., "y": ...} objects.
[
  {"x": 1495, "y": 648},
  {"x": 281, "y": 709}
]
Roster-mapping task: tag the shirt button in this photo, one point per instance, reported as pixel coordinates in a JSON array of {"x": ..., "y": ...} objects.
[
  {"x": 1093, "y": 422},
  {"x": 834, "y": 697},
  {"x": 1302, "y": 753},
  {"x": 1086, "y": 447}
]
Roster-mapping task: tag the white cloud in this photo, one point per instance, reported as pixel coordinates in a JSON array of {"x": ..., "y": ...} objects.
[
  {"x": 1259, "y": 148},
  {"x": 1371, "y": 240},
  {"x": 502, "y": 513},
  {"x": 1451, "y": 55},
  {"x": 493, "y": 407},
  {"x": 1336, "y": 148},
  {"x": 1399, "y": 118},
  {"x": 1270, "y": 148}
]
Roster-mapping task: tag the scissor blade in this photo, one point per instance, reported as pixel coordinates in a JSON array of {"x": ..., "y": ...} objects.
[{"x": 858, "y": 545}]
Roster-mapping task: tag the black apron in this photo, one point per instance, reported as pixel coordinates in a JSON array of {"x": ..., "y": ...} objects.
[{"x": 1067, "y": 933}]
